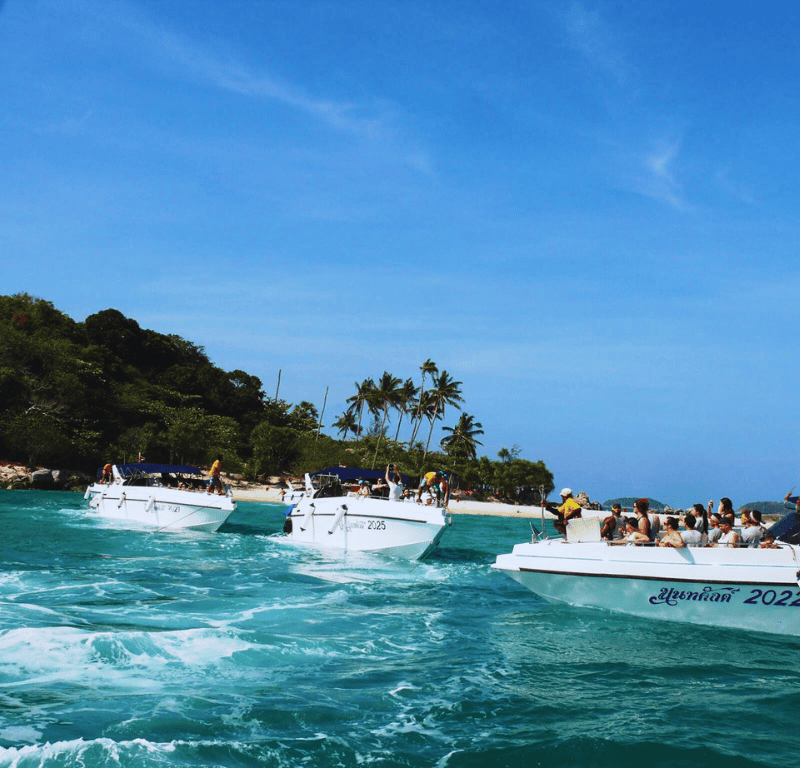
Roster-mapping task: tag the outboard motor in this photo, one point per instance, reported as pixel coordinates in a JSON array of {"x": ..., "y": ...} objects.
[{"x": 787, "y": 529}]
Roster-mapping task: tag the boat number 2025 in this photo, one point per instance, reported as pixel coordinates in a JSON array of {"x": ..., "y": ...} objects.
[
  {"x": 376, "y": 525},
  {"x": 772, "y": 597}
]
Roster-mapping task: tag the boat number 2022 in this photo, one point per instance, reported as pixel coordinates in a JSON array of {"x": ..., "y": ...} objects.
[
  {"x": 771, "y": 597},
  {"x": 376, "y": 525}
]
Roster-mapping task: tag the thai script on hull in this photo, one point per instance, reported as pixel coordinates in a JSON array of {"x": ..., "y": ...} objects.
[{"x": 671, "y": 596}]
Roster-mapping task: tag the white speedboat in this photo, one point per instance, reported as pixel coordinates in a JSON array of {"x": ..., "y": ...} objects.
[
  {"x": 740, "y": 587},
  {"x": 162, "y": 496},
  {"x": 332, "y": 517}
]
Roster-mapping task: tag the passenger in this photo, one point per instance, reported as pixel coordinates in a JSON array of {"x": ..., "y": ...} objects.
[
  {"x": 692, "y": 537},
  {"x": 444, "y": 488},
  {"x": 768, "y": 540},
  {"x": 613, "y": 525},
  {"x": 640, "y": 509},
  {"x": 364, "y": 490},
  {"x": 752, "y": 530},
  {"x": 671, "y": 537},
  {"x": 620, "y": 516},
  {"x": 106, "y": 478},
  {"x": 633, "y": 536},
  {"x": 569, "y": 509},
  {"x": 395, "y": 483},
  {"x": 215, "y": 470},
  {"x": 430, "y": 481},
  {"x": 729, "y": 537},
  {"x": 380, "y": 489},
  {"x": 726, "y": 510},
  {"x": 701, "y": 516},
  {"x": 655, "y": 524},
  {"x": 756, "y": 515},
  {"x": 714, "y": 531},
  {"x": 745, "y": 518}
]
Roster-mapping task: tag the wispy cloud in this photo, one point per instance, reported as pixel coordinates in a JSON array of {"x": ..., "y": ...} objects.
[
  {"x": 596, "y": 41},
  {"x": 213, "y": 64},
  {"x": 658, "y": 179}
]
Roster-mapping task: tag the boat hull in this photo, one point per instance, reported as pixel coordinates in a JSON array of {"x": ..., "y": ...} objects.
[
  {"x": 166, "y": 510},
  {"x": 396, "y": 529},
  {"x": 742, "y": 588}
]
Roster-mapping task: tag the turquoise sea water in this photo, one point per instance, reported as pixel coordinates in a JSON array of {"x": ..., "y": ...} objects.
[{"x": 132, "y": 648}]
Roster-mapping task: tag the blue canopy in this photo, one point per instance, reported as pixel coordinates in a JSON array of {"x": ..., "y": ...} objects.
[
  {"x": 348, "y": 474},
  {"x": 143, "y": 468}
]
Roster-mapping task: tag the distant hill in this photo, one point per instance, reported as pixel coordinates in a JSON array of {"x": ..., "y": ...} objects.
[
  {"x": 628, "y": 501},
  {"x": 767, "y": 507}
]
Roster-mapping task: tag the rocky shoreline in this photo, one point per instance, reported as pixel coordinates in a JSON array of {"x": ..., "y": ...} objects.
[{"x": 17, "y": 477}]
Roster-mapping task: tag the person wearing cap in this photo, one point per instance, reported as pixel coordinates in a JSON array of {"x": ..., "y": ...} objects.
[
  {"x": 569, "y": 508},
  {"x": 364, "y": 490}
]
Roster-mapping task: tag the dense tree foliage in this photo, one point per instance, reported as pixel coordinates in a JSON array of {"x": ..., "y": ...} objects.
[{"x": 75, "y": 395}]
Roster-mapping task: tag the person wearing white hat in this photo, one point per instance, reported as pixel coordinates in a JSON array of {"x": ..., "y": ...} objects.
[{"x": 569, "y": 508}]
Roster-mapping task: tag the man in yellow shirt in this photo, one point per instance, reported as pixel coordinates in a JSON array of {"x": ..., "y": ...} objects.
[
  {"x": 436, "y": 484},
  {"x": 569, "y": 508},
  {"x": 216, "y": 483}
]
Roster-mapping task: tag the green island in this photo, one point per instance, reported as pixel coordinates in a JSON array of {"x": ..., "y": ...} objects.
[{"x": 79, "y": 394}]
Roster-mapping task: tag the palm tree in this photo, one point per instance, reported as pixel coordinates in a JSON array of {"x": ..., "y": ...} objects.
[
  {"x": 446, "y": 391},
  {"x": 504, "y": 455},
  {"x": 461, "y": 441},
  {"x": 432, "y": 369},
  {"x": 361, "y": 398},
  {"x": 408, "y": 394},
  {"x": 386, "y": 394},
  {"x": 347, "y": 423},
  {"x": 425, "y": 407}
]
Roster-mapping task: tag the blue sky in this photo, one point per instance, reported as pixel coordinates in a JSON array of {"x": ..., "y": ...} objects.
[{"x": 585, "y": 212}]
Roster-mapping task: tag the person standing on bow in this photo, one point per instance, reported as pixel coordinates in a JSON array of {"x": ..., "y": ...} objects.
[
  {"x": 216, "y": 483},
  {"x": 436, "y": 484},
  {"x": 569, "y": 509}
]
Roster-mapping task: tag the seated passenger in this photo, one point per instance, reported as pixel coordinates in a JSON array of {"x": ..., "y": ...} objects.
[
  {"x": 753, "y": 530},
  {"x": 671, "y": 537},
  {"x": 364, "y": 490},
  {"x": 714, "y": 531},
  {"x": 614, "y": 524},
  {"x": 701, "y": 517},
  {"x": 729, "y": 537},
  {"x": 633, "y": 535},
  {"x": 768, "y": 540},
  {"x": 655, "y": 524},
  {"x": 692, "y": 537}
]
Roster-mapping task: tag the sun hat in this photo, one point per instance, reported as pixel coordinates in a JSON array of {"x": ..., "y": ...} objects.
[{"x": 566, "y": 492}]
